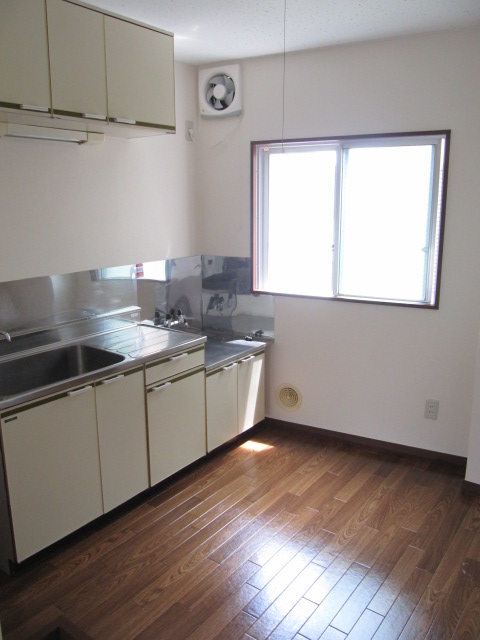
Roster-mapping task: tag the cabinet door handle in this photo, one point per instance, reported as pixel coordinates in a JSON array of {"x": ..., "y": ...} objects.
[
  {"x": 125, "y": 120},
  {"x": 180, "y": 357},
  {"x": 161, "y": 386},
  {"x": 230, "y": 367},
  {"x": 247, "y": 359},
  {"x": 34, "y": 107},
  {"x": 79, "y": 391},
  {"x": 110, "y": 380},
  {"x": 94, "y": 116}
]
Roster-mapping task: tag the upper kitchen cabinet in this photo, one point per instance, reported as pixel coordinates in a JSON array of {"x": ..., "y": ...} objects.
[
  {"x": 24, "y": 71},
  {"x": 140, "y": 76},
  {"x": 77, "y": 60},
  {"x": 82, "y": 67}
]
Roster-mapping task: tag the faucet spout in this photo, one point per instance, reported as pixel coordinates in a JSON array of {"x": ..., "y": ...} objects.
[{"x": 7, "y": 335}]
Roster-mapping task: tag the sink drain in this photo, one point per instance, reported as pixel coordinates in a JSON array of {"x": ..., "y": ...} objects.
[{"x": 288, "y": 396}]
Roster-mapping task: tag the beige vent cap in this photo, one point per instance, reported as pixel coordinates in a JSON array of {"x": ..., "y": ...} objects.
[{"x": 288, "y": 397}]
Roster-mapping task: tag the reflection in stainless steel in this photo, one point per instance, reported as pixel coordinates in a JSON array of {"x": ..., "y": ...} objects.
[
  {"x": 49, "y": 301},
  {"x": 172, "y": 288},
  {"x": 227, "y": 300},
  {"x": 197, "y": 293},
  {"x": 49, "y": 367},
  {"x": 62, "y": 333},
  {"x": 211, "y": 294}
]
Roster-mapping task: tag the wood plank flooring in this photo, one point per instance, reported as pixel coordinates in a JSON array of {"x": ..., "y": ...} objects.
[{"x": 295, "y": 537}]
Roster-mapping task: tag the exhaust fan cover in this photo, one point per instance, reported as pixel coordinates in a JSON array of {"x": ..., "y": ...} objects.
[{"x": 220, "y": 91}]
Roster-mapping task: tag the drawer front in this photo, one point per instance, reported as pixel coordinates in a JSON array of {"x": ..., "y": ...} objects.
[{"x": 174, "y": 364}]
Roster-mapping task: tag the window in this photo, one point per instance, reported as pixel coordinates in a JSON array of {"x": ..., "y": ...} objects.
[{"x": 356, "y": 218}]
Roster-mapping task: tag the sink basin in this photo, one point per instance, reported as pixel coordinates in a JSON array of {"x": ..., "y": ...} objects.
[{"x": 50, "y": 367}]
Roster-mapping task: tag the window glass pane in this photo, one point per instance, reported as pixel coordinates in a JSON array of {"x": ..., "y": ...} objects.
[
  {"x": 301, "y": 198},
  {"x": 353, "y": 218},
  {"x": 385, "y": 222}
]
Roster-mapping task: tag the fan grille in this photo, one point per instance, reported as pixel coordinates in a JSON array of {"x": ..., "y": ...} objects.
[
  {"x": 289, "y": 397},
  {"x": 220, "y": 92}
]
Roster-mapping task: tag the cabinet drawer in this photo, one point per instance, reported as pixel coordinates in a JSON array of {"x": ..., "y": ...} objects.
[{"x": 173, "y": 365}]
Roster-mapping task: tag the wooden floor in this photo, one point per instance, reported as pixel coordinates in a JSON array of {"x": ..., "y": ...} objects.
[{"x": 297, "y": 538}]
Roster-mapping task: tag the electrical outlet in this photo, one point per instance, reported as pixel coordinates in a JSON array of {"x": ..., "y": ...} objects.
[
  {"x": 431, "y": 409},
  {"x": 188, "y": 130}
]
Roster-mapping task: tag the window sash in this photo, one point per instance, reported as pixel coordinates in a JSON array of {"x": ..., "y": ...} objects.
[{"x": 263, "y": 151}]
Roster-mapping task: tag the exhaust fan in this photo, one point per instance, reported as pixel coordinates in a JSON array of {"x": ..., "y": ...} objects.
[{"x": 220, "y": 91}]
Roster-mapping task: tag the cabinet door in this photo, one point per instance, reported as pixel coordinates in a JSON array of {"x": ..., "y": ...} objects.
[
  {"x": 176, "y": 424},
  {"x": 24, "y": 75},
  {"x": 140, "y": 76},
  {"x": 52, "y": 469},
  {"x": 122, "y": 435},
  {"x": 251, "y": 391},
  {"x": 77, "y": 60},
  {"x": 222, "y": 406}
]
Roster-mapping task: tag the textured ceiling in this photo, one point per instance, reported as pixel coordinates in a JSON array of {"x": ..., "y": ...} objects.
[{"x": 216, "y": 30}]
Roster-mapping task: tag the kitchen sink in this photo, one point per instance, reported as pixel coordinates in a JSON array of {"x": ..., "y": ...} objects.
[{"x": 46, "y": 368}]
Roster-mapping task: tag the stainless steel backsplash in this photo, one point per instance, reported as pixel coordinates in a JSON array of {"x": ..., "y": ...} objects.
[{"x": 213, "y": 292}]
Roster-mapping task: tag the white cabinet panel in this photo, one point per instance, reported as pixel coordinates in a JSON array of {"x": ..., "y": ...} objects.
[
  {"x": 140, "y": 75},
  {"x": 173, "y": 365},
  {"x": 86, "y": 66},
  {"x": 251, "y": 391},
  {"x": 222, "y": 406},
  {"x": 176, "y": 424},
  {"x": 52, "y": 468},
  {"x": 77, "y": 59},
  {"x": 122, "y": 435},
  {"x": 235, "y": 399},
  {"x": 24, "y": 74}
]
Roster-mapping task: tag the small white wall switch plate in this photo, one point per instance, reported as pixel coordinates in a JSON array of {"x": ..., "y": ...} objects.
[
  {"x": 431, "y": 409},
  {"x": 188, "y": 130}
]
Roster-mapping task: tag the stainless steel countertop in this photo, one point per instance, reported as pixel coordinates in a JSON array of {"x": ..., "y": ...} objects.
[
  {"x": 137, "y": 343},
  {"x": 222, "y": 349},
  {"x": 220, "y": 354}
]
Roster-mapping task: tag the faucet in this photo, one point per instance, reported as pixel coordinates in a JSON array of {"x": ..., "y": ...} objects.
[
  {"x": 7, "y": 335},
  {"x": 173, "y": 318}
]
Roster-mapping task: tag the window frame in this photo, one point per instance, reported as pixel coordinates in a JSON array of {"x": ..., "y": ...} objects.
[{"x": 342, "y": 142}]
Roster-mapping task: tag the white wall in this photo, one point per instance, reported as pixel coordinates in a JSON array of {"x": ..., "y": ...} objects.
[
  {"x": 66, "y": 208},
  {"x": 362, "y": 369},
  {"x": 365, "y": 369}
]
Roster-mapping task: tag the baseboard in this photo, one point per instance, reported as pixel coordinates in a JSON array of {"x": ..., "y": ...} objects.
[{"x": 371, "y": 443}]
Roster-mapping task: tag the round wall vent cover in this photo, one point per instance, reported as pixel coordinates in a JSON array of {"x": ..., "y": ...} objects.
[{"x": 288, "y": 397}]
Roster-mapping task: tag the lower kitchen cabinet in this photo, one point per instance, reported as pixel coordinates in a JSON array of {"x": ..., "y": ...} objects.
[
  {"x": 176, "y": 423},
  {"x": 222, "y": 423},
  {"x": 52, "y": 469},
  {"x": 251, "y": 391},
  {"x": 70, "y": 457},
  {"x": 122, "y": 437},
  {"x": 235, "y": 399}
]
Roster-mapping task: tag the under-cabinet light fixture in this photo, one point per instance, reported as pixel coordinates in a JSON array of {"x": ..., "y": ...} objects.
[{"x": 10, "y": 130}]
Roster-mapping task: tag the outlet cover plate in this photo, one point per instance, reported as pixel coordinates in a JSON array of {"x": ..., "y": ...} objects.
[{"x": 431, "y": 409}]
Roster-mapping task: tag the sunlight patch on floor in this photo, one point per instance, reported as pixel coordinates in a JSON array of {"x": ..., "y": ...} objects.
[{"x": 252, "y": 445}]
